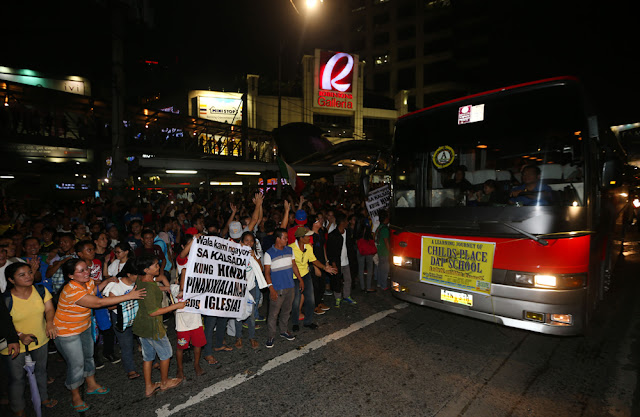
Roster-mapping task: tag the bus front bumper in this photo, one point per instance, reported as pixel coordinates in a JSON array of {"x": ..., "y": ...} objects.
[{"x": 520, "y": 307}]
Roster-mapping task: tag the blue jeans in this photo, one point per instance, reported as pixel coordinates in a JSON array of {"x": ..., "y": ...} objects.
[
  {"x": 18, "y": 378},
  {"x": 257, "y": 297},
  {"x": 382, "y": 271},
  {"x": 126, "y": 340},
  {"x": 77, "y": 351},
  {"x": 251, "y": 320},
  {"x": 362, "y": 260},
  {"x": 210, "y": 322},
  {"x": 309, "y": 301}
]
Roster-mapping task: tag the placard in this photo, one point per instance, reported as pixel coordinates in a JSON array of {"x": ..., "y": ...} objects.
[
  {"x": 377, "y": 200},
  {"x": 216, "y": 277},
  {"x": 462, "y": 264}
]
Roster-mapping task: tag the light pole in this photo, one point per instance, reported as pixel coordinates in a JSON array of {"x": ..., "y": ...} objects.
[{"x": 311, "y": 4}]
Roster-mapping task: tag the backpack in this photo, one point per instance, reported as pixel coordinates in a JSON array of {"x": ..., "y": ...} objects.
[{"x": 8, "y": 299}]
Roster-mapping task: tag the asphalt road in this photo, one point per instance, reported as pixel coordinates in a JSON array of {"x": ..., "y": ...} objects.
[{"x": 383, "y": 357}]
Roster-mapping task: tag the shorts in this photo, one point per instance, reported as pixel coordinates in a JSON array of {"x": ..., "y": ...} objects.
[
  {"x": 195, "y": 337},
  {"x": 151, "y": 348}
]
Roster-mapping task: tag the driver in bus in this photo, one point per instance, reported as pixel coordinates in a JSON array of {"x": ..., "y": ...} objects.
[{"x": 532, "y": 192}]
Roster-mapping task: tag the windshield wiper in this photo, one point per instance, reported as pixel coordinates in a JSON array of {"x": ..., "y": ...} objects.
[
  {"x": 535, "y": 238},
  {"x": 527, "y": 234}
]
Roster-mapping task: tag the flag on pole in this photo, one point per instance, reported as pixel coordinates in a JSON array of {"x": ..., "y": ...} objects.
[
  {"x": 287, "y": 172},
  {"x": 290, "y": 175}
]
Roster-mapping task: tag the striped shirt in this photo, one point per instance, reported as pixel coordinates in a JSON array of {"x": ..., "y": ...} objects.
[
  {"x": 72, "y": 319},
  {"x": 281, "y": 263}
]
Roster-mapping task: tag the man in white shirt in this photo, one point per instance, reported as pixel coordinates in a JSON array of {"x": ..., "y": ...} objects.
[{"x": 337, "y": 256}]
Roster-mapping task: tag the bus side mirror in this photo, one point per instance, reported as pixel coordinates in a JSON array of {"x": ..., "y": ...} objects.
[{"x": 612, "y": 173}]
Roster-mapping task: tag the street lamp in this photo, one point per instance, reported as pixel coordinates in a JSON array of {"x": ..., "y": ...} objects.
[{"x": 310, "y": 5}]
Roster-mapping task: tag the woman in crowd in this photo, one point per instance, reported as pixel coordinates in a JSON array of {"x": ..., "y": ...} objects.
[
  {"x": 366, "y": 250},
  {"x": 122, "y": 252},
  {"x": 32, "y": 313},
  {"x": 73, "y": 321}
]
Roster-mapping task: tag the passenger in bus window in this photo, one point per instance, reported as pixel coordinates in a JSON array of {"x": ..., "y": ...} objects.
[
  {"x": 532, "y": 192},
  {"x": 489, "y": 194},
  {"x": 459, "y": 181}
]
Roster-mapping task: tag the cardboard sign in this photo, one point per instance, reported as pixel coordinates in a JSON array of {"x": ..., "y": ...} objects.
[
  {"x": 377, "y": 200},
  {"x": 216, "y": 277}
]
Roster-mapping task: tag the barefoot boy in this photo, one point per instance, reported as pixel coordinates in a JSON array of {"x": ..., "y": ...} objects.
[{"x": 148, "y": 326}]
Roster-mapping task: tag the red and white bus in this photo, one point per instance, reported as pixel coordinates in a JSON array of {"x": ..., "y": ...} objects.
[{"x": 507, "y": 206}]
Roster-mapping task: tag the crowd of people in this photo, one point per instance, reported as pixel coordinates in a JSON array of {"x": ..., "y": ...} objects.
[{"x": 102, "y": 281}]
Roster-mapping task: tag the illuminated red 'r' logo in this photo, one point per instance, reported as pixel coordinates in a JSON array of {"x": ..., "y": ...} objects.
[{"x": 332, "y": 83}]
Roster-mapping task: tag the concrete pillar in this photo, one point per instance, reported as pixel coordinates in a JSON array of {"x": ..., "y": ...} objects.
[
  {"x": 252, "y": 97},
  {"x": 402, "y": 99}
]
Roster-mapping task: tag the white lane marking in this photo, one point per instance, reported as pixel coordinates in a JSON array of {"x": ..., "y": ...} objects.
[{"x": 238, "y": 379}]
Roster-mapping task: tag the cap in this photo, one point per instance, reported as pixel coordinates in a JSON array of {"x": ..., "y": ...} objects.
[
  {"x": 303, "y": 231},
  {"x": 191, "y": 231},
  {"x": 301, "y": 217},
  {"x": 235, "y": 230}
]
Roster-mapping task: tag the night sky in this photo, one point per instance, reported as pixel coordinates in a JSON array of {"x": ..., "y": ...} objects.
[{"x": 201, "y": 45}]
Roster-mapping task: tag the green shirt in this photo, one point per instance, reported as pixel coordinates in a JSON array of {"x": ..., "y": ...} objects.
[
  {"x": 383, "y": 232},
  {"x": 144, "y": 325}
]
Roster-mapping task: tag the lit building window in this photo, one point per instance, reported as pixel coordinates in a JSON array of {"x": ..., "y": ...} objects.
[{"x": 382, "y": 59}]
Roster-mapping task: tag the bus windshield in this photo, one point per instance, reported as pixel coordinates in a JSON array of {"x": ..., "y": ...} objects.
[{"x": 499, "y": 149}]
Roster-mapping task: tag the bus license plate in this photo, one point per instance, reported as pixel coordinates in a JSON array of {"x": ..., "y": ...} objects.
[{"x": 456, "y": 297}]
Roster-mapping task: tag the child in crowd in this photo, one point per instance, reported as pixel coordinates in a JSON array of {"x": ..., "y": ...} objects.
[
  {"x": 148, "y": 326},
  {"x": 122, "y": 315},
  {"x": 188, "y": 325}
]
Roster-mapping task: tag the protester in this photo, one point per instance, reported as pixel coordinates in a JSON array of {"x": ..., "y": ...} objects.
[
  {"x": 247, "y": 239},
  {"x": 123, "y": 314},
  {"x": 135, "y": 238},
  {"x": 279, "y": 268},
  {"x": 303, "y": 254},
  {"x": 4, "y": 263},
  {"x": 9, "y": 335},
  {"x": 384, "y": 250},
  {"x": 319, "y": 239},
  {"x": 86, "y": 251},
  {"x": 32, "y": 314},
  {"x": 31, "y": 247},
  {"x": 337, "y": 256},
  {"x": 150, "y": 248},
  {"x": 101, "y": 243},
  {"x": 122, "y": 253},
  {"x": 54, "y": 270},
  {"x": 366, "y": 249},
  {"x": 148, "y": 326},
  {"x": 73, "y": 322}
]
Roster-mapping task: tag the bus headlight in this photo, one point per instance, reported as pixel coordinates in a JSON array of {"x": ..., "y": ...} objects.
[
  {"x": 403, "y": 262},
  {"x": 545, "y": 281},
  {"x": 560, "y": 282}
]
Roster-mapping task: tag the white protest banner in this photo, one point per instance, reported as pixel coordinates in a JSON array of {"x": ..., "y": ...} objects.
[
  {"x": 377, "y": 200},
  {"x": 216, "y": 277}
]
